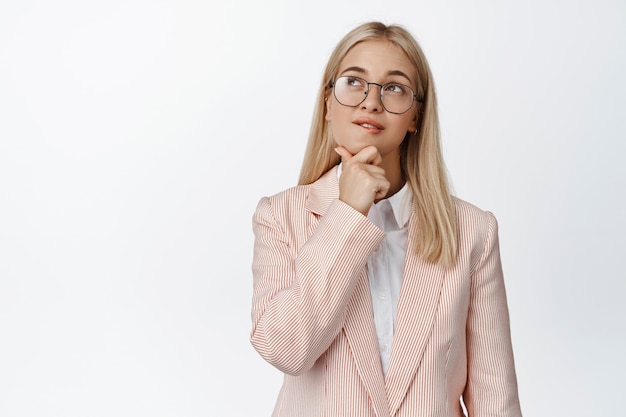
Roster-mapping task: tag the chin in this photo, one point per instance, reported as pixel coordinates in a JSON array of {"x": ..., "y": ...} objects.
[{"x": 355, "y": 147}]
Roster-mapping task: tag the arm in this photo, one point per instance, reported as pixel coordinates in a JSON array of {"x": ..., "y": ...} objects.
[
  {"x": 491, "y": 389},
  {"x": 300, "y": 294}
]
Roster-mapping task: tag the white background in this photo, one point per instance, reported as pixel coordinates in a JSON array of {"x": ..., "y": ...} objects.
[{"x": 136, "y": 138}]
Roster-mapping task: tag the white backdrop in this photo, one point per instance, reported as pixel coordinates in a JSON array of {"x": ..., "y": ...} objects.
[{"x": 136, "y": 138}]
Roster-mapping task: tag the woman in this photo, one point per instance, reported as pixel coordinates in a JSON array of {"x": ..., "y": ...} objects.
[{"x": 376, "y": 292}]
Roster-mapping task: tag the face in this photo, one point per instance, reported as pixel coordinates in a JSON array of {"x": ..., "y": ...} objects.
[{"x": 369, "y": 123}]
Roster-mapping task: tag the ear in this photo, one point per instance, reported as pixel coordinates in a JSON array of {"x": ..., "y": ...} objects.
[
  {"x": 419, "y": 113},
  {"x": 414, "y": 123},
  {"x": 327, "y": 101}
]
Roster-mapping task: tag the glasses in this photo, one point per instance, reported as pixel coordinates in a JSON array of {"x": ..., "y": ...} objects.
[{"x": 351, "y": 91}]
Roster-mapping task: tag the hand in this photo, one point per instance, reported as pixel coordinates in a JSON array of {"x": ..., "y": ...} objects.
[{"x": 362, "y": 181}]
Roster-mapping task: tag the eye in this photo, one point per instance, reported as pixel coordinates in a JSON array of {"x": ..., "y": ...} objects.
[
  {"x": 355, "y": 82},
  {"x": 395, "y": 88}
]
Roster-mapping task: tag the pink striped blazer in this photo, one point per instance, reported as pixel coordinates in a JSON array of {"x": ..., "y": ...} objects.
[{"x": 313, "y": 319}]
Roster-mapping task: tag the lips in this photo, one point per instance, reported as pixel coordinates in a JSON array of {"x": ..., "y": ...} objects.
[{"x": 368, "y": 124}]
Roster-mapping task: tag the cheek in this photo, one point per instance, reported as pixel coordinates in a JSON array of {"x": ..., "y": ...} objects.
[{"x": 410, "y": 122}]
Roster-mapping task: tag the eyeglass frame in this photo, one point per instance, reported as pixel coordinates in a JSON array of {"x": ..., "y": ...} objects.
[{"x": 380, "y": 95}]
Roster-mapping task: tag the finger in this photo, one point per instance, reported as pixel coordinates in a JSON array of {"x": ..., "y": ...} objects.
[
  {"x": 375, "y": 171},
  {"x": 369, "y": 155},
  {"x": 382, "y": 190},
  {"x": 343, "y": 153}
]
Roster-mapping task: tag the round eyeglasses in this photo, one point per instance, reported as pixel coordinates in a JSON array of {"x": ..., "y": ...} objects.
[{"x": 351, "y": 91}]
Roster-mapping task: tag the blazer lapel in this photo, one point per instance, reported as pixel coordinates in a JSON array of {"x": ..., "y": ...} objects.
[
  {"x": 419, "y": 299},
  {"x": 359, "y": 322},
  {"x": 361, "y": 334}
]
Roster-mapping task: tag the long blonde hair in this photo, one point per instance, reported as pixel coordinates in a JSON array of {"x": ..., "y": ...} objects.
[{"x": 421, "y": 157}]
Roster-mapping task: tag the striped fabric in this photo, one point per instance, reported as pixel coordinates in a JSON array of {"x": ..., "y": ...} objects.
[{"x": 312, "y": 315}]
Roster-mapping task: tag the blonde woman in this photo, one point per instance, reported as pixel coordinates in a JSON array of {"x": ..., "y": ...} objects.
[{"x": 376, "y": 292}]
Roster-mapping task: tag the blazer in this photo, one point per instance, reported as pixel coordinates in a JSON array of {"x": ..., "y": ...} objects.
[{"x": 312, "y": 315}]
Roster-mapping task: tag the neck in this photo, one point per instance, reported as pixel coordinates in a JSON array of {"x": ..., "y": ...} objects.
[{"x": 393, "y": 172}]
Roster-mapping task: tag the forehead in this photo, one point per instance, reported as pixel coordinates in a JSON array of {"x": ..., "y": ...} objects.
[{"x": 378, "y": 58}]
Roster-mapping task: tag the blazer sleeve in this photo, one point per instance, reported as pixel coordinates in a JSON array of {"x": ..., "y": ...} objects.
[
  {"x": 491, "y": 389},
  {"x": 300, "y": 294}
]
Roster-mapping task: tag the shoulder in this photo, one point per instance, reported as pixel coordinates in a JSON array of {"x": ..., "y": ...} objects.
[
  {"x": 475, "y": 225},
  {"x": 468, "y": 208},
  {"x": 279, "y": 205},
  {"x": 315, "y": 197},
  {"x": 289, "y": 195},
  {"x": 470, "y": 214}
]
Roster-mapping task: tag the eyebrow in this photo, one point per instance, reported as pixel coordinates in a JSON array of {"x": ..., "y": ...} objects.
[{"x": 363, "y": 71}]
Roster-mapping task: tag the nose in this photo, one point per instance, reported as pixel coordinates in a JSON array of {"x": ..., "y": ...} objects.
[{"x": 372, "y": 101}]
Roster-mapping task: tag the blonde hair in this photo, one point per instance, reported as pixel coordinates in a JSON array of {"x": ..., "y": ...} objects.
[{"x": 421, "y": 155}]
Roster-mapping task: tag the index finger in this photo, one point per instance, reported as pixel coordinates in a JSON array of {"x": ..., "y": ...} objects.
[
  {"x": 369, "y": 155},
  {"x": 343, "y": 153}
]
